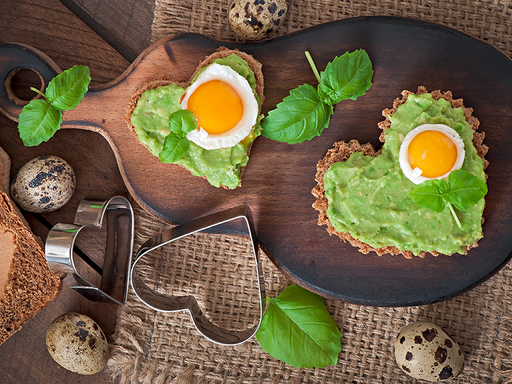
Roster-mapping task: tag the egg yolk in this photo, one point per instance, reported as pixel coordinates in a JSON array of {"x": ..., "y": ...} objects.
[
  {"x": 433, "y": 152},
  {"x": 216, "y": 106}
]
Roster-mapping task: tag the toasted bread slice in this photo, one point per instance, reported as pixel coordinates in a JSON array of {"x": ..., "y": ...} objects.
[
  {"x": 221, "y": 52},
  {"x": 341, "y": 151}
]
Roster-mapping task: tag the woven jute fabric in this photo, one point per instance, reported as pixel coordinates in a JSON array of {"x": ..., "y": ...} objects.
[
  {"x": 156, "y": 347},
  {"x": 489, "y": 20}
]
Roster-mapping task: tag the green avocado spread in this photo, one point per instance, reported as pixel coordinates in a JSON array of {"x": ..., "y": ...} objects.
[
  {"x": 220, "y": 166},
  {"x": 368, "y": 197}
]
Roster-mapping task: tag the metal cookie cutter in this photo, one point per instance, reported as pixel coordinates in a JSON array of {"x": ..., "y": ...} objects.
[
  {"x": 171, "y": 303},
  {"x": 118, "y": 252}
]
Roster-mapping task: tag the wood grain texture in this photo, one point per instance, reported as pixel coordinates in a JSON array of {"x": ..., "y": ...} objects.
[
  {"x": 279, "y": 178},
  {"x": 56, "y": 31},
  {"x": 129, "y": 31}
]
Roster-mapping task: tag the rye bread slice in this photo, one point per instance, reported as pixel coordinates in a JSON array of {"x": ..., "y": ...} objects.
[
  {"x": 27, "y": 284},
  {"x": 341, "y": 151},
  {"x": 220, "y": 53}
]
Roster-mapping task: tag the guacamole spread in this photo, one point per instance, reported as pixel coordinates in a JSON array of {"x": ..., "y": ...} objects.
[
  {"x": 368, "y": 196},
  {"x": 220, "y": 166}
]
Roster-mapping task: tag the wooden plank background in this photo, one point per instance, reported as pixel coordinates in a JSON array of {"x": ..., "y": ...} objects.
[{"x": 53, "y": 28}]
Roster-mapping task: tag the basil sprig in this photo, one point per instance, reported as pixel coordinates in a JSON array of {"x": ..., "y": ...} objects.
[
  {"x": 306, "y": 112},
  {"x": 41, "y": 118},
  {"x": 298, "y": 329},
  {"x": 176, "y": 143},
  {"x": 462, "y": 191}
]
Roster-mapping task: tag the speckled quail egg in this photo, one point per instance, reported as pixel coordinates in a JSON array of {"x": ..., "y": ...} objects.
[
  {"x": 77, "y": 343},
  {"x": 424, "y": 351},
  {"x": 256, "y": 19},
  {"x": 43, "y": 185}
]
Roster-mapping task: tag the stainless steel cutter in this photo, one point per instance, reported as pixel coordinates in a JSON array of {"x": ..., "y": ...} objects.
[
  {"x": 91, "y": 212},
  {"x": 171, "y": 303}
]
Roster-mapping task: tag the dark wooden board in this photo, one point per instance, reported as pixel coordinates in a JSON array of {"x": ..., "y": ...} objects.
[{"x": 278, "y": 180}]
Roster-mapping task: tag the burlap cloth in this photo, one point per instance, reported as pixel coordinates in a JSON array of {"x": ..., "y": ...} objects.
[{"x": 152, "y": 347}]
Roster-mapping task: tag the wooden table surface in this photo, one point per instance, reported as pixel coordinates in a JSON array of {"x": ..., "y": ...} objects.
[{"x": 106, "y": 35}]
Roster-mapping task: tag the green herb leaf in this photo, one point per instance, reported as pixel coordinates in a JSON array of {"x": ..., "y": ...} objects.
[
  {"x": 429, "y": 194},
  {"x": 66, "y": 90},
  {"x": 455, "y": 217},
  {"x": 299, "y": 117},
  {"x": 40, "y": 119},
  {"x": 466, "y": 189},
  {"x": 346, "y": 77},
  {"x": 174, "y": 148},
  {"x": 38, "y": 122},
  {"x": 313, "y": 66},
  {"x": 182, "y": 121},
  {"x": 298, "y": 329},
  {"x": 463, "y": 190},
  {"x": 306, "y": 112}
]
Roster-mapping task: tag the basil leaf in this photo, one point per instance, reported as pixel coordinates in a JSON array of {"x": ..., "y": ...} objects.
[
  {"x": 430, "y": 193},
  {"x": 298, "y": 329},
  {"x": 38, "y": 122},
  {"x": 299, "y": 117},
  {"x": 174, "y": 148},
  {"x": 182, "y": 121},
  {"x": 66, "y": 90},
  {"x": 346, "y": 77},
  {"x": 466, "y": 189}
]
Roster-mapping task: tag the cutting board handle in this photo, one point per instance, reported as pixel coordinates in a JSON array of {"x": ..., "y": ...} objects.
[{"x": 15, "y": 57}]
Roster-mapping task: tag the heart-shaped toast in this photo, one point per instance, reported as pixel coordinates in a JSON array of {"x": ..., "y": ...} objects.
[
  {"x": 225, "y": 95},
  {"x": 363, "y": 195}
]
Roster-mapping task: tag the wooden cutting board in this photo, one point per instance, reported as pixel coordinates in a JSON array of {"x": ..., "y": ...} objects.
[{"x": 279, "y": 178}]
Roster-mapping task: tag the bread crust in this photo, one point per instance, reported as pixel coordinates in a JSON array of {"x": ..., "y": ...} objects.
[
  {"x": 220, "y": 53},
  {"x": 341, "y": 151},
  {"x": 30, "y": 283}
]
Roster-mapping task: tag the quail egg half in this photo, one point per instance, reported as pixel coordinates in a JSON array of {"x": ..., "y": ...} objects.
[
  {"x": 431, "y": 151},
  {"x": 224, "y": 105}
]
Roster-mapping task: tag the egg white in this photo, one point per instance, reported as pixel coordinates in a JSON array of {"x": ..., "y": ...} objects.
[
  {"x": 244, "y": 127},
  {"x": 404, "y": 151}
]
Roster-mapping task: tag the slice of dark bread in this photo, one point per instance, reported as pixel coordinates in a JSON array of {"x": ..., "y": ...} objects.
[
  {"x": 221, "y": 52},
  {"x": 341, "y": 151},
  {"x": 27, "y": 283}
]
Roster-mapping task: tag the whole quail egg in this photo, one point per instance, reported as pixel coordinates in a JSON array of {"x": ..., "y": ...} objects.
[
  {"x": 424, "y": 351},
  {"x": 43, "y": 185},
  {"x": 77, "y": 343},
  {"x": 256, "y": 19}
]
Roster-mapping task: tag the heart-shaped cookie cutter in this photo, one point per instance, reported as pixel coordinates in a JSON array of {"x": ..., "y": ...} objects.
[
  {"x": 171, "y": 303},
  {"x": 118, "y": 251}
]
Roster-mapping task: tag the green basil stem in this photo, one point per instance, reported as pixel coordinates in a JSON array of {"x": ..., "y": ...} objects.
[
  {"x": 38, "y": 91},
  {"x": 313, "y": 66},
  {"x": 454, "y": 215}
]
